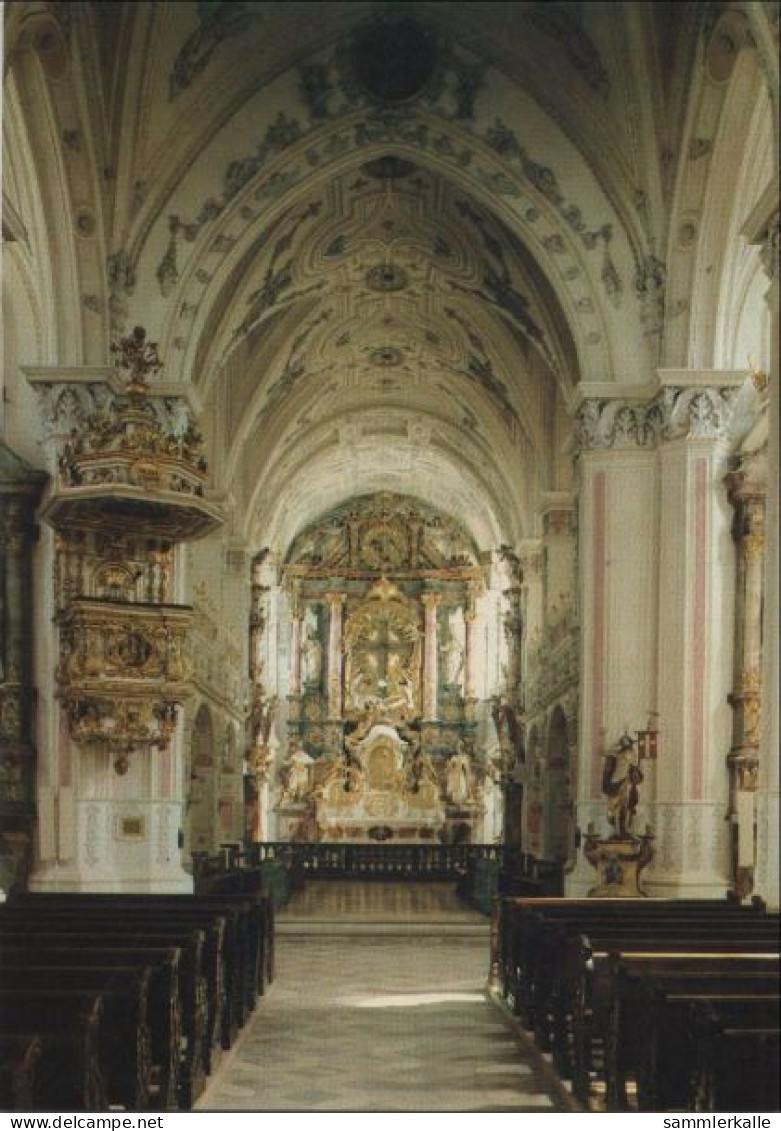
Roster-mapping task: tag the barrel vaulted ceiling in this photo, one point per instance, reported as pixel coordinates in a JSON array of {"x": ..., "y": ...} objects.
[{"x": 372, "y": 275}]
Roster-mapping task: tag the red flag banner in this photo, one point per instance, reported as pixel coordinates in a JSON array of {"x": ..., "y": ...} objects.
[{"x": 647, "y": 743}]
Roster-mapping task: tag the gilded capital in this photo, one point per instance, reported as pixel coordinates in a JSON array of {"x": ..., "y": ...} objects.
[{"x": 752, "y": 546}]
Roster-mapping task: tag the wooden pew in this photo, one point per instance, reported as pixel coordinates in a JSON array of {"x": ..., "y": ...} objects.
[
  {"x": 538, "y": 947},
  {"x": 123, "y": 1053},
  {"x": 518, "y": 932},
  {"x": 195, "y": 1040},
  {"x": 549, "y": 954},
  {"x": 237, "y": 959},
  {"x": 70, "y": 1027},
  {"x": 597, "y": 1050},
  {"x": 737, "y": 1057},
  {"x": 19, "y": 1057},
  {"x": 164, "y": 1015},
  {"x": 653, "y": 1035},
  {"x": 564, "y": 980}
]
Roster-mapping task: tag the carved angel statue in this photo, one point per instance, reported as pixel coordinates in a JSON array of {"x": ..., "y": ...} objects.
[
  {"x": 421, "y": 772},
  {"x": 621, "y": 775}
]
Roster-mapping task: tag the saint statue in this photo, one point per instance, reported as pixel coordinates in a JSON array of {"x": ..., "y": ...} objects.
[
  {"x": 297, "y": 776},
  {"x": 312, "y": 658},
  {"x": 453, "y": 657},
  {"x": 621, "y": 776},
  {"x": 459, "y": 785}
]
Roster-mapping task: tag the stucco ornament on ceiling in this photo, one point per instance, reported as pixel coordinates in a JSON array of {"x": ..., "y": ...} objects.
[
  {"x": 381, "y": 274},
  {"x": 385, "y": 67},
  {"x": 217, "y": 21}
]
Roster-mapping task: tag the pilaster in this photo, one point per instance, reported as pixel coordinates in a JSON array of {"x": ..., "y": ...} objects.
[
  {"x": 336, "y": 610},
  {"x": 764, "y": 231},
  {"x": 656, "y": 600},
  {"x": 430, "y": 655},
  {"x": 295, "y": 645},
  {"x": 470, "y": 621},
  {"x": 696, "y": 617}
]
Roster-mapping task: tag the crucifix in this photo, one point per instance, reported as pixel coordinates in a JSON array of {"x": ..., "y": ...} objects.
[{"x": 383, "y": 656}]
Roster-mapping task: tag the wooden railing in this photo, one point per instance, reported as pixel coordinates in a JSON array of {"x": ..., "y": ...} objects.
[
  {"x": 380, "y": 861},
  {"x": 512, "y": 871}
]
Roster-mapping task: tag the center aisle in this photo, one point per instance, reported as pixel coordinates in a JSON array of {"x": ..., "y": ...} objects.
[{"x": 381, "y": 1012}]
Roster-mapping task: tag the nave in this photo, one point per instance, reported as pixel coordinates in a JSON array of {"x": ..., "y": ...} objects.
[{"x": 397, "y": 969}]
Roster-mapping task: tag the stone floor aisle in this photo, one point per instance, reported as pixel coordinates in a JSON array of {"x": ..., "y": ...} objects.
[{"x": 381, "y": 1021}]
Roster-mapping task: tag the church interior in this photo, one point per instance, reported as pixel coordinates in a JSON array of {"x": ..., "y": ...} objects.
[{"x": 389, "y": 556}]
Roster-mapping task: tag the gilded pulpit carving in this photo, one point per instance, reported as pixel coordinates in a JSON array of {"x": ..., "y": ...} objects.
[{"x": 131, "y": 486}]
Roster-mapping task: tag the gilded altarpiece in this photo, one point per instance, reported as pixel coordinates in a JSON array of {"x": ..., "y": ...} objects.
[{"x": 381, "y": 711}]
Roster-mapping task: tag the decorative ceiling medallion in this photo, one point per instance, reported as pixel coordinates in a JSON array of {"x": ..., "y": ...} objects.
[
  {"x": 386, "y": 277},
  {"x": 394, "y": 59},
  {"x": 389, "y": 168},
  {"x": 386, "y": 356}
]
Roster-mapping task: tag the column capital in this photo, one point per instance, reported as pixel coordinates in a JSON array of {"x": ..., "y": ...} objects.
[
  {"x": 431, "y": 600},
  {"x": 694, "y": 412},
  {"x": 335, "y": 600}
]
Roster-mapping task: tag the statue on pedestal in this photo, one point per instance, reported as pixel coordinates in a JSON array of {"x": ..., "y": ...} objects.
[
  {"x": 453, "y": 659},
  {"x": 620, "y": 858},
  {"x": 297, "y": 777},
  {"x": 459, "y": 777},
  {"x": 312, "y": 659},
  {"x": 621, "y": 775}
]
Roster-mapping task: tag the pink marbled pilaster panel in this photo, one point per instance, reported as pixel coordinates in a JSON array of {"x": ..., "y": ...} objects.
[
  {"x": 598, "y": 626},
  {"x": 166, "y": 785},
  {"x": 699, "y": 627}
]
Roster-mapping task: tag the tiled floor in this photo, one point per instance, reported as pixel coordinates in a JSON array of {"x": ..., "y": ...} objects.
[{"x": 381, "y": 1022}]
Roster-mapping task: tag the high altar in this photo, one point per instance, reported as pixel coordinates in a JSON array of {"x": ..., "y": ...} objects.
[{"x": 381, "y": 710}]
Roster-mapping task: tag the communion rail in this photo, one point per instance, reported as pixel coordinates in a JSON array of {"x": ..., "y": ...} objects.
[
  {"x": 318, "y": 860},
  {"x": 376, "y": 861}
]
